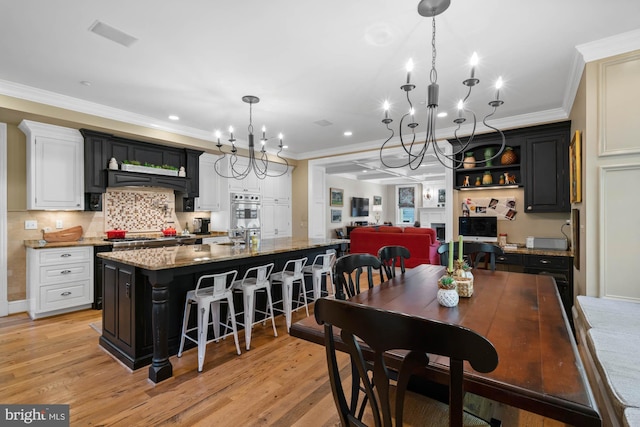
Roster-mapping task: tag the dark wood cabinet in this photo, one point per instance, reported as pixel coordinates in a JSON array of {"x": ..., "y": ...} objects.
[
  {"x": 100, "y": 147},
  {"x": 546, "y": 171},
  {"x": 560, "y": 267},
  {"x": 541, "y": 168}
]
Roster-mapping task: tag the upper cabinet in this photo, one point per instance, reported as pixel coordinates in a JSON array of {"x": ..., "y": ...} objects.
[
  {"x": 249, "y": 184},
  {"x": 55, "y": 167},
  {"x": 538, "y": 161},
  {"x": 210, "y": 194},
  {"x": 100, "y": 147},
  {"x": 277, "y": 189},
  {"x": 547, "y": 171}
]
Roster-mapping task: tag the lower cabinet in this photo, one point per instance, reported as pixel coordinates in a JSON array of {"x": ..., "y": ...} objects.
[
  {"x": 59, "y": 280},
  {"x": 559, "y": 267}
]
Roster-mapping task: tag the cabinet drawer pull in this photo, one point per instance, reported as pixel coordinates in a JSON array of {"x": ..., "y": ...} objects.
[
  {"x": 545, "y": 261},
  {"x": 65, "y": 255},
  {"x": 65, "y": 272},
  {"x": 128, "y": 289},
  {"x": 502, "y": 258},
  {"x": 65, "y": 294}
]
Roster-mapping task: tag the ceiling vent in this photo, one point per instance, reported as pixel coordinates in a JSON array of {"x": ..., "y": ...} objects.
[
  {"x": 323, "y": 123},
  {"x": 113, "y": 34}
]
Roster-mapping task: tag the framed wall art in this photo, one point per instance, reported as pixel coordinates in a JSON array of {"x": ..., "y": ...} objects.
[
  {"x": 575, "y": 168},
  {"x": 336, "y": 197},
  {"x": 377, "y": 200},
  {"x": 336, "y": 215}
]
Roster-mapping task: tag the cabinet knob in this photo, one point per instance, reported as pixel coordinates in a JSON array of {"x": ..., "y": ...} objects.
[
  {"x": 528, "y": 208},
  {"x": 65, "y": 272},
  {"x": 65, "y": 294}
]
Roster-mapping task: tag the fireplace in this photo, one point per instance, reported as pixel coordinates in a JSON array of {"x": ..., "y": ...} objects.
[{"x": 440, "y": 230}]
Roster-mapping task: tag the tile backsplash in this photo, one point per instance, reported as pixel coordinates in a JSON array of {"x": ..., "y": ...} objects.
[{"x": 139, "y": 210}]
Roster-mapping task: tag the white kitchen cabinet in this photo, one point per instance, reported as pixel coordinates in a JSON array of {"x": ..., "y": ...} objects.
[
  {"x": 277, "y": 189},
  {"x": 276, "y": 220},
  {"x": 215, "y": 240},
  {"x": 55, "y": 167},
  {"x": 59, "y": 280},
  {"x": 210, "y": 193},
  {"x": 249, "y": 184}
]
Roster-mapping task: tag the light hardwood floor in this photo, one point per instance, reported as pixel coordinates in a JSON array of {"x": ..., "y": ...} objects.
[{"x": 280, "y": 382}]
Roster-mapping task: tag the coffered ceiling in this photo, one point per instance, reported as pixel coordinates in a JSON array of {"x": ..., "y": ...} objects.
[{"x": 320, "y": 68}]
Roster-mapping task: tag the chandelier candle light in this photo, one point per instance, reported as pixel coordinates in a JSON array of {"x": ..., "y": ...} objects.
[
  {"x": 258, "y": 164},
  {"x": 416, "y": 151}
]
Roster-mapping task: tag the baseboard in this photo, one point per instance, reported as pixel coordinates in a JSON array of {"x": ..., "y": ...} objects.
[{"x": 20, "y": 306}]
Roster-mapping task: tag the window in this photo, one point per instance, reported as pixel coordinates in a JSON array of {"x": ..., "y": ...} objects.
[{"x": 406, "y": 203}]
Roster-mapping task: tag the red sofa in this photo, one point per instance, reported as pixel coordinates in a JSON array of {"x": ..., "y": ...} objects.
[{"x": 421, "y": 242}]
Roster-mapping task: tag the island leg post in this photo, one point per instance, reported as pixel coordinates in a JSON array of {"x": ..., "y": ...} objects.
[{"x": 161, "y": 367}]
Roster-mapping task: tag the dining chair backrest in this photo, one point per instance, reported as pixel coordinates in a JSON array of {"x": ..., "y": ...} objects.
[
  {"x": 349, "y": 268},
  {"x": 474, "y": 253},
  {"x": 392, "y": 257},
  {"x": 381, "y": 331},
  {"x": 215, "y": 285}
]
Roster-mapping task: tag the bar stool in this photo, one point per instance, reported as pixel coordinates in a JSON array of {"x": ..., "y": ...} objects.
[
  {"x": 322, "y": 265},
  {"x": 209, "y": 298},
  {"x": 255, "y": 279},
  {"x": 291, "y": 273}
]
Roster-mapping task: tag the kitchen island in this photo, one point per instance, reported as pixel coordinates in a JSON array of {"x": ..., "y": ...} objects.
[{"x": 145, "y": 289}]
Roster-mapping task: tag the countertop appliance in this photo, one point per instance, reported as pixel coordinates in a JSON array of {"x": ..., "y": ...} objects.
[
  {"x": 245, "y": 213},
  {"x": 201, "y": 225},
  {"x": 552, "y": 243}
]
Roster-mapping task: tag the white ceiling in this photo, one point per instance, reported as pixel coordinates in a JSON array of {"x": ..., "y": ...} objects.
[{"x": 330, "y": 61}]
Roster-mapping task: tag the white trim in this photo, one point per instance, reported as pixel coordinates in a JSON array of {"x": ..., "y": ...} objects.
[
  {"x": 20, "y": 306},
  {"x": 573, "y": 82},
  {"x": 4, "y": 297},
  {"x": 610, "y": 46}
]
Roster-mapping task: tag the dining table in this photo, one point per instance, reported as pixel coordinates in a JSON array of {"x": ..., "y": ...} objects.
[{"x": 539, "y": 368}]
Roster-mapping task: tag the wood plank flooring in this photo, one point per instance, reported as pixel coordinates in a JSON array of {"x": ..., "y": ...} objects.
[{"x": 280, "y": 382}]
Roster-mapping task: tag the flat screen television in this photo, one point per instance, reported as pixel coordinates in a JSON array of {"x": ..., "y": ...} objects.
[
  {"x": 478, "y": 228},
  {"x": 359, "y": 206}
]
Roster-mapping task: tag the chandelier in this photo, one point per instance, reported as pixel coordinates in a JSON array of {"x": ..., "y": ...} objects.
[
  {"x": 258, "y": 163},
  {"x": 416, "y": 151}
]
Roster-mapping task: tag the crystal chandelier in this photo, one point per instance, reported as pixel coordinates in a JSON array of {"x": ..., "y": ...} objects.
[
  {"x": 416, "y": 151},
  {"x": 258, "y": 163}
]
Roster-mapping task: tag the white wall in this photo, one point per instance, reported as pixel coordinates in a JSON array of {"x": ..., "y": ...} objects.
[{"x": 354, "y": 188}]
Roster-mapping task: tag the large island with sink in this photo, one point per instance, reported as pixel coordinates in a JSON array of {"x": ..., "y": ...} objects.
[{"x": 145, "y": 289}]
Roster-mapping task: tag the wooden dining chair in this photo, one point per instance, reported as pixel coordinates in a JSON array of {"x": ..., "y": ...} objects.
[
  {"x": 474, "y": 253},
  {"x": 348, "y": 270},
  {"x": 392, "y": 257},
  {"x": 370, "y": 331}
]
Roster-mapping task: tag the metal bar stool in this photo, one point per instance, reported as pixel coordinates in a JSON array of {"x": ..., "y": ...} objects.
[
  {"x": 322, "y": 265},
  {"x": 291, "y": 273},
  {"x": 208, "y": 299},
  {"x": 255, "y": 279}
]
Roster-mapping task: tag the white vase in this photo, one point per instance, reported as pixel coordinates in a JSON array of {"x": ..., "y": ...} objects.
[{"x": 448, "y": 297}]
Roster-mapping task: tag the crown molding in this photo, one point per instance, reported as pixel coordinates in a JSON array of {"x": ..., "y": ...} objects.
[{"x": 610, "y": 46}]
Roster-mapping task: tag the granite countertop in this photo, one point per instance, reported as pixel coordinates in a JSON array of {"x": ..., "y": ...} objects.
[
  {"x": 100, "y": 241},
  {"x": 184, "y": 256},
  {"x": 544, "y": 252}
]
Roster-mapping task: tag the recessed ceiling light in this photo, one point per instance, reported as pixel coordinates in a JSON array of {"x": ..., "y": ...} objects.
[
  {"x": 285, "y": 146},
  {"x": 85, "y": 83},
  {"x": 348, "y": 133},
  {"x": 174, "y": 117},
  {"x": 364, "y": 171},
  {"x": 442, "y": 114}
]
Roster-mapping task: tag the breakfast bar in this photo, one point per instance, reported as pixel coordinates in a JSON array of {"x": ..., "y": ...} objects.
[{"x": 144, "y": 292}]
